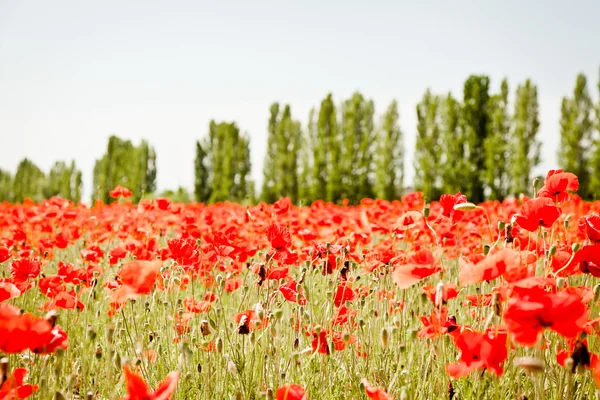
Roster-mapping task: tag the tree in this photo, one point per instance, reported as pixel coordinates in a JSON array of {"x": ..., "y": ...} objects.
[
  {"x": 576, "y": 135},
  {"x": 305, "y": 183},
  {"x": 6, "y": 186},
  {"x": 29, "y": 182},
  {"x": 595, "y": 158},
  {"x": 357, "y": 159},
  {"x": 390, "y": 156},
  {"x": 524, "y": 147},
  {"x": 64, "y": 181},
  {"x": 127, "y": 165},
  {"x": 427, "y": 151},
  {"x": 281, "y": 161},
  {"x": 453, "y": 145},
  {"x": 222, "y": 165},
  {"x": 202, "y": 187},
  {"x": 475, "y": 125},
  {"x": 496, "y": 145}
]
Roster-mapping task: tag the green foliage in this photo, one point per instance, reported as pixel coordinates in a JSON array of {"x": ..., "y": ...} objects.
[
  {"x": 428, "y": 152},
  {"x": 453, "y": 145},
  {"x": 6, "y": 186},
  {"x": 222, "y": 165},
  {"x": 181, "y": 195},
  {"x": 390, "y": 156},
  {"x": 496, "y": 145},
  {"x": 576, "y": 128},
  {"x": 358, "y": 137},
  {"x": 475, "y": 125},
  {"x": 327, "y": 154},
  {"x": 595, "y": 157},
  {"x": 64, "y": 181},
  {"x": 127, "y": 165},
  {"x": 28, "y": 183},
  {"x": 524, "y": 147},
  {"x": 305, "y": 153},
  {"x": 281, "y": 161}
]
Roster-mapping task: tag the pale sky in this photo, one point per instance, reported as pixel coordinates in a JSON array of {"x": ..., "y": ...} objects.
[{"x": 74, "y": 72}]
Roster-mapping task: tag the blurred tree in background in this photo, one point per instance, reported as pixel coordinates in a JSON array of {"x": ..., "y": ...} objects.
[
  {"x": 125, "y": 164},
  {"x": 576, "y": 128},
  {"x": 473, "y": 145},
  {"x": 524, "y": 148},
  {"x": 222, "y": 165}
]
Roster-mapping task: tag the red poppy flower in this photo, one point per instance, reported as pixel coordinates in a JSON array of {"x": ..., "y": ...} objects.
[
  {"x": 448, "y": 201},
  {"x": 557, "y": 184},
  {"x": 344, "y": 293},
  {"x": 531, "y": 309},
  {"x": 375, "y": 393},
  {"x": 290, "y": 292},
  {"x": 537, "y": 212},
  {"x": 588, "y": 259},
  {"x": 8, "y": 291},
  {"x": 291, "y": 392},
  {"x": 14, "y": 388},
  {"x": 137, "y": 389},
  {"x": 282, "y": 205},
  {"x": 163, "y": 203},
  {"x": 480, "y": 350},
  {"x": 420, "y": 265},
  {"x": 490, "y": 267},
  {"x": 438, "y": 323},
  {"x": 4, "y": 254},
  {"x": 140, "y": 275},
  {"x": 590, "y": 224},
  {"x": 251, "y": 320},
  {"x": 24, "y": 268},
  {"x": 449, "y": 291},
  {"x": 120, "y": 191},
  {"x": 196, "y": 306},
  {"x": 279, "y": 236}
]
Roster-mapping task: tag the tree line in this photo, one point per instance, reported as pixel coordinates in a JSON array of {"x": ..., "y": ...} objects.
[{"x": 478, "y": 144}]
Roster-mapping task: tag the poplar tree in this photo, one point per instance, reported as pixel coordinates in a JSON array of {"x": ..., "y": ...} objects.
[
  {"x": 427, "y": 150},
  {"x": 28, "y": 182},
  {"x": 64, "y": 181},
  {"x": 202, "y": 187},
  {"x": 125, "y": 164},
  {"x": 358, "y": 139},
  {"x": 390, "y": 156},
  {"x": 305, "y": 190},
  {"x": 326, "y": 152},
  {"x": 595, "y": 158},
  {"x": 281, "y": 161},
  {"x": 524, "y": 150},
  {"x": 475, "y": 124},
  {"x": 496, "y": 145},
  {"x": 576, "y": 128},
  {"x": 6, "y": 186},
  {"x": 453, "y": 144}
]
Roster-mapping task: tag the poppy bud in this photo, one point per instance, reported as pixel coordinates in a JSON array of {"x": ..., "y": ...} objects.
[
  {"x": 204, "y": 328},
  {"x": 486, "y": 249},
  {"x": 552, "y": 250},
  {"x": 501, "y": 226},
  {"x": 98, "y": 352},
  {"x": 465, "y": 206},
  {"x": 536, "y": 182},
  {"x": 277, "y": 313},
  {"x": 346, "y": 337},
  {"x": 199, "y": 368},
  {"x": 426, "y": 212},
  {"x": 385, "y": 338},
  {"x": 575, "y": 247},
  {"x": 219, "y": 345}
]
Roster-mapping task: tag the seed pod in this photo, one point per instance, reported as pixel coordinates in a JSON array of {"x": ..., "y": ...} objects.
[
  {"x": 204, "y": 328},
  {"x": 385, "y": 338}
]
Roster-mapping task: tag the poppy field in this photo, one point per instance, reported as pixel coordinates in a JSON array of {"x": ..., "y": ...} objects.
[{"x": 382, "y": 300}]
